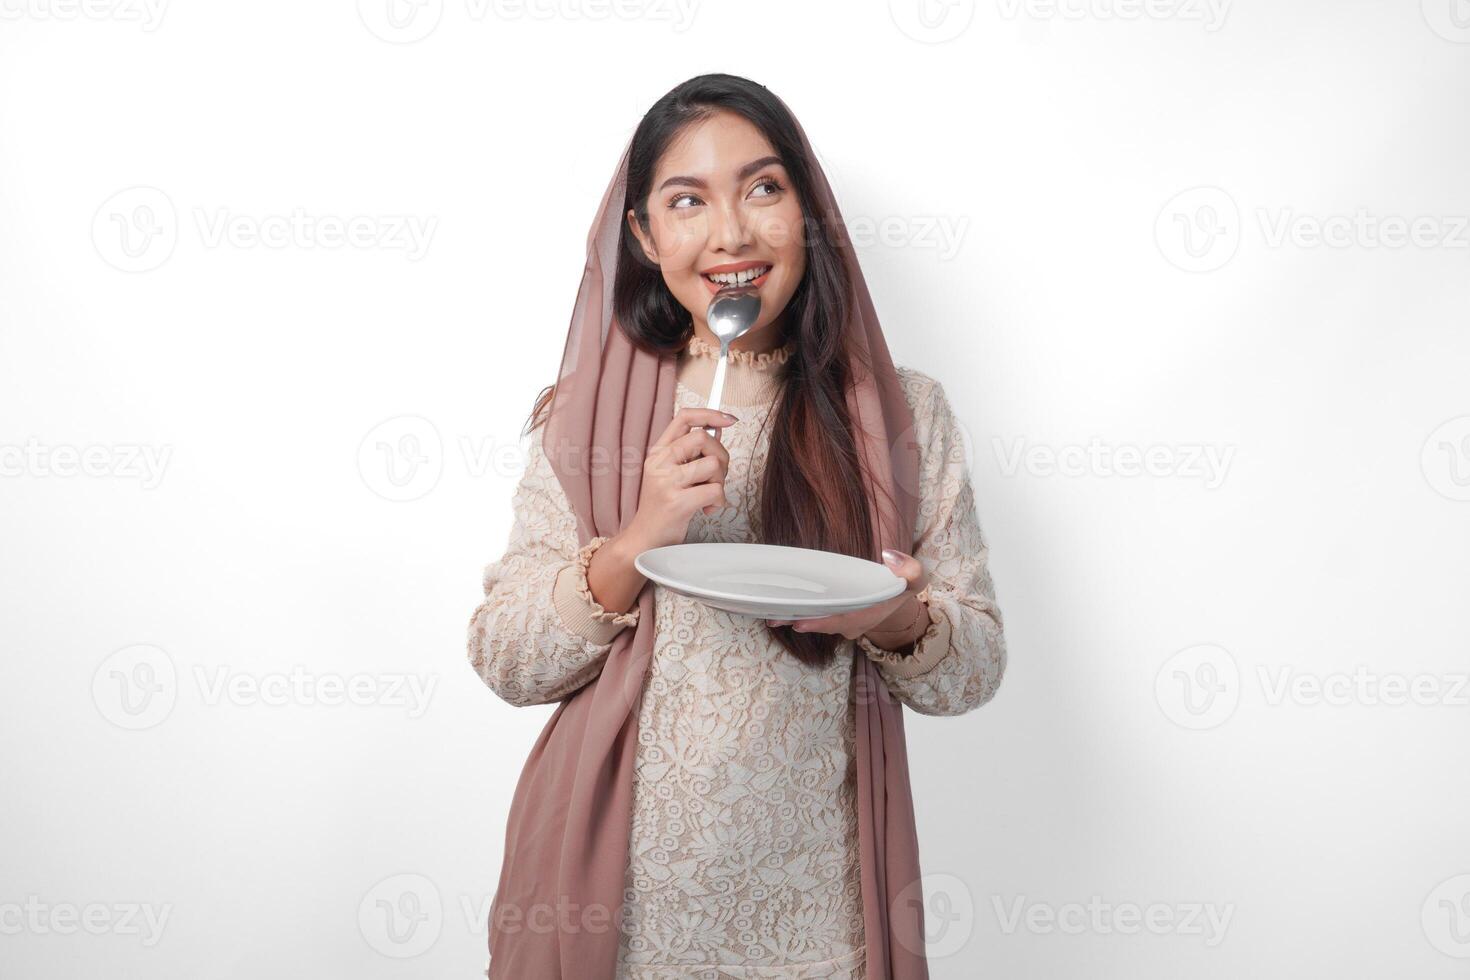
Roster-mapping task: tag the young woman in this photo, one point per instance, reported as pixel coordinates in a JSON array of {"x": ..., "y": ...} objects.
[{"x": 717, "y": 795}]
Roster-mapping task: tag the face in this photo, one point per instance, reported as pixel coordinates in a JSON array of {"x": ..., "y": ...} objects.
[{"x": 722, "y": 210}]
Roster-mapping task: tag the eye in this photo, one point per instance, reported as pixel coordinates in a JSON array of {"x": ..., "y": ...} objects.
[
  {"x": 674, "y": 201},
  {"x": 771, "y": 182}
]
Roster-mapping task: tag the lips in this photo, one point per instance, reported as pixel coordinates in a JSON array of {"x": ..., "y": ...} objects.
[{"x": 720, "y": 276}]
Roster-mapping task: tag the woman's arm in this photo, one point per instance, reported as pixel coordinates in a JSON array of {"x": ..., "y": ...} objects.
[
  {"x": 956, "y": 665},
  {"x": 540, "y": 634}
]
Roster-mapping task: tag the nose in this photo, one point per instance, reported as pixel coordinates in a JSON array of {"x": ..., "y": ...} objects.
[{"x": 728, "y": 230}]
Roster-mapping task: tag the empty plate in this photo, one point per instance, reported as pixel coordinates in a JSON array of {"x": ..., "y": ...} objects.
[{"x": 771, "y": 581}]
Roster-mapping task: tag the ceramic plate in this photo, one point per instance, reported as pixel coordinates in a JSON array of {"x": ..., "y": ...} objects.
[{"x": 769, "y": 580}]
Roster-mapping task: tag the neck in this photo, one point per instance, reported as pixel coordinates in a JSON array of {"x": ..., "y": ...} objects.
[{"x": 750, "y": 375}]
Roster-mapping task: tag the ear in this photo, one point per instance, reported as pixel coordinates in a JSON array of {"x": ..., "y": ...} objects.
[{"x": 643, "y": 240}]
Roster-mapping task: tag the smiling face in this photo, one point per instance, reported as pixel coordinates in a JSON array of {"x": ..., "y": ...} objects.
[{"x": 722, "y": 210}]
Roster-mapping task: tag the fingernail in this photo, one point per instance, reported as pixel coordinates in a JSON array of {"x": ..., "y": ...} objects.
[
  {"x": 732, "y": 418},
  {"x": 892, "y": 557}
]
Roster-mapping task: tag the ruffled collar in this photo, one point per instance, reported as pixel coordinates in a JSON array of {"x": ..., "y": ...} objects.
[{"x": 760, "y": 361}]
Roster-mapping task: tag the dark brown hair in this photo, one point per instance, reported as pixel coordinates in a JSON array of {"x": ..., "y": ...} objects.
[{"x": 812, "y": 494}]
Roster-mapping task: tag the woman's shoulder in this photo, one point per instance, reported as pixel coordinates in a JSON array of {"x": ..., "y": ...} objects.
[
  {"x": 923, "y": 392},
  {"x": 912, "y": 377}
]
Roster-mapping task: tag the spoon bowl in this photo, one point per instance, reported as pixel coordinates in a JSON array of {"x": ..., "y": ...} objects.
[{"x": 732, "y": 312}]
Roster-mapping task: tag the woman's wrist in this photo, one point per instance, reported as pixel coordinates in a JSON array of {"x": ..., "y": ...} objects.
[
  {"x": 905, "y": 625},
  {"x": 612, "y": 578}
]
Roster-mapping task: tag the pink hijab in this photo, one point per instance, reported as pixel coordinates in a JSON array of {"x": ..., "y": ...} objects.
[{"x": 557, "y": 909}]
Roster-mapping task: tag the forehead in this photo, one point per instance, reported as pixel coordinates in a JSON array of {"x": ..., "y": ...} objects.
[{"x": 713, "y": 148}]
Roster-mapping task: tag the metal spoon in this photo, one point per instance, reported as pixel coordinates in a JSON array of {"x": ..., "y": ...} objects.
[{"x": 732, "y": 312}]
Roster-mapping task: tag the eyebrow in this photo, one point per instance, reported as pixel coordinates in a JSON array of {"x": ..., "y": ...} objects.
[{"x": 741, "y": 174}]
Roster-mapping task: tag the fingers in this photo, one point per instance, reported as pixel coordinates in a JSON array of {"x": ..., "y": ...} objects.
[
  {"x": 700, "y": 469},
  {"x": 711, "y": 496},
  {"x": 698, "y": 443},
  {"x": 687, "y": 418},
  {"x": 815, "y": 624},
  {"x": 801, "y": 625},
  {"x": 907, "y": 567}
]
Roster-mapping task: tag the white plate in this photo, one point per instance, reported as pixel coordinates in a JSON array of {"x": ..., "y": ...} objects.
[{"x": 771, "y": 581}]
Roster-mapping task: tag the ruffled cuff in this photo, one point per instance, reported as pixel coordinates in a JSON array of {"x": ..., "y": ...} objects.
[
  {"x": 580, "y": 612},
  {"x": 928, "y": 649}
]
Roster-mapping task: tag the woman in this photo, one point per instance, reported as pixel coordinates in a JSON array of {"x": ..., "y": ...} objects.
[{"x": 717, "y": 795}]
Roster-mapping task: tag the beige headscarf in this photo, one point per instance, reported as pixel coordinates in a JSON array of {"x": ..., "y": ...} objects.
[{"x": 557, "y": 909}]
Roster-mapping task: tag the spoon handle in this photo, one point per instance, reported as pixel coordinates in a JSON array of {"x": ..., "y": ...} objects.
[{"x": 715, "y": 390}]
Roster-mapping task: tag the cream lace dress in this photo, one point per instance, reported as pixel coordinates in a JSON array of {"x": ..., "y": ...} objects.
[{"x": 743, "y": 852}]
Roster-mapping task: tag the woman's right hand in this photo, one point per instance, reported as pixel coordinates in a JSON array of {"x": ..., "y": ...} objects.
[{"x": 683, "y": 472}]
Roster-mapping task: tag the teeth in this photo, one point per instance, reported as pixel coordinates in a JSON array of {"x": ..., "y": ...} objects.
[{"x": 738, "y": 278}]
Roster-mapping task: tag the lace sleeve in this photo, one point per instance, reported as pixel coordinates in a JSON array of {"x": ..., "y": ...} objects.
[
  {"x": 539, "y": 634},
  {"x": 957, "y": 664}
]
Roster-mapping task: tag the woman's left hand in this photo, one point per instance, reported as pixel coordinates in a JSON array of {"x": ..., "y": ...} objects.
[{"x": 854, "y": 624}]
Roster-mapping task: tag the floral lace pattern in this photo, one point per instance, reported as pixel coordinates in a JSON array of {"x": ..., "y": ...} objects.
[
  {"x": 520, "y": 645},
  {"x": 742, "y": 859},
  {"x": 957, "y": 664},
  {"x": 843, "y": 967}
]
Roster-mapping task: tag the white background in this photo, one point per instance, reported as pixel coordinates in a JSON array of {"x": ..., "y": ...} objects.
[{"x": 1097, "y": 234}]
